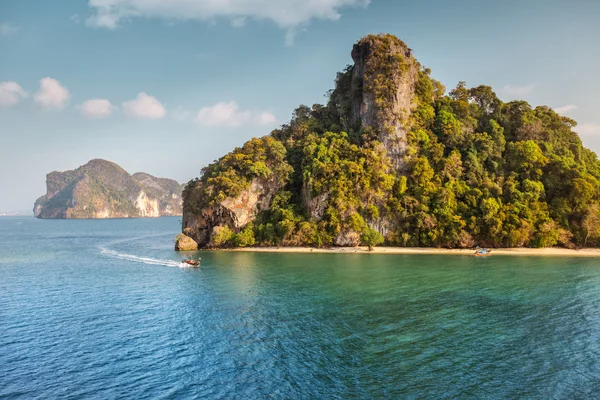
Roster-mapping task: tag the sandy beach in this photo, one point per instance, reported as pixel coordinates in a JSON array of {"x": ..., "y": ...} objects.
[{"x": 553, "y": 251}]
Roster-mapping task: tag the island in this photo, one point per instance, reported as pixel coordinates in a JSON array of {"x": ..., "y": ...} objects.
[
  {"x": 102, "y": 189},
  {"x": 394, "y": 159}
]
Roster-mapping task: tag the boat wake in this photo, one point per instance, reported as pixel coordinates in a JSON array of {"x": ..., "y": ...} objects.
[{"x": 145, "y": 260}]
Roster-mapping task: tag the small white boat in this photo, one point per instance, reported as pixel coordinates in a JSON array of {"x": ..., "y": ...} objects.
[{"x": 482, "y": 252}]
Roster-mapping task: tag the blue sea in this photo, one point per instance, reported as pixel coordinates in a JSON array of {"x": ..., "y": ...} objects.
[{"x": 103, "y": 309}]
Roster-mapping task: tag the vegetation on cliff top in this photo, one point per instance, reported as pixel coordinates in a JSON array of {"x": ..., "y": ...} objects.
[{"x": 477, "y": 171}]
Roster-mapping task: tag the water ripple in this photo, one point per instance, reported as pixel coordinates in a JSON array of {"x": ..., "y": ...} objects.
[{"x": 78, "y": 324}]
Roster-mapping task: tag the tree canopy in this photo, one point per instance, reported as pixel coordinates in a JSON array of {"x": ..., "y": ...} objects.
[{"x": 477, "y": 171}]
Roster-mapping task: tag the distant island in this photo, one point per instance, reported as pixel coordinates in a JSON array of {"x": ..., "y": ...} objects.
[
  {"x": 15, "y": 214},
  {"x": 102, "y": 189},
  {"x": 392, "y": 159}
]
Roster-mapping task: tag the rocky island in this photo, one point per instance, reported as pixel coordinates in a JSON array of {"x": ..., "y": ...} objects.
[
  {"x": 102, "y": 189},
  {"x": 392, "y": 158}
]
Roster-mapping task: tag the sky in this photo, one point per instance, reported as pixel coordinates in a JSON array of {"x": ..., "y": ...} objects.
[{"x": 168, "y": 87}]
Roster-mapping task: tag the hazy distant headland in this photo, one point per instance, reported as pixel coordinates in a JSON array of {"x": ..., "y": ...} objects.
[
  {"x": 395, "y": 159},
  {"x": 102, "y": 189},
  {"x": 15, "y": 214}
]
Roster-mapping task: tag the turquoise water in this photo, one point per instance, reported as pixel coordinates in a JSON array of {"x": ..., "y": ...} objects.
[{"x": 102, "y": 309}]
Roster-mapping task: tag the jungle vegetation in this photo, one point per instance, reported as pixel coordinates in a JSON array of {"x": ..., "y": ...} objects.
[{"x": 478, "y": 171}]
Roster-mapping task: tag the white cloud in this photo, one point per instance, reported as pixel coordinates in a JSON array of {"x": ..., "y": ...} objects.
[
  {"x": 230, "y": 115},
  {"x": 52, "y": 95},
  {"x": 588, "y": 129},
  {"x": 144, "y": 106},
  {"x": 266, "y": 118},
  {"x": 11, "y": 93},
  {"x": 181, "y": 114},
  {"x": 96, "y": 108},
  {"x": 238, "y": 22},
  {"x": 514, "y": 92},
  {"x": 565, "y": 109},
  {"x": 287, "y": 14},
  {"x": 7, "y": 29}
]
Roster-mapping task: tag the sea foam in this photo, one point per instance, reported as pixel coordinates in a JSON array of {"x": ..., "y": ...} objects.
[{"x": 145, "y": 260}]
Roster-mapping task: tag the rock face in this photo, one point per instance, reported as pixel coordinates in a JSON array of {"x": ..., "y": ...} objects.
[
  {"x": 166, "y": 192},
  {"x": 392, "y": 157},
  {"x": 102, "y": 189},
  {"x": 378, "y": 92},
  {"x": 347, "y": 239},
  {"x": 374, "y": 97},
  {"x": 234, "y": 212},
  {"x": 185, "y": 243}
]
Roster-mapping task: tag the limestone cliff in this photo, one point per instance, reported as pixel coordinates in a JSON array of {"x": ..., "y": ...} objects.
[
  {"x": 212, "y": 201},
  {"x": 102, "y": 189},
  {"x": 392, "y": 158},
  {"x": 165, "y": 192},
  {"x": 233, "y": 212},
  {"x": 378, "y": 91},
  {"x": 373, "y": 97}
]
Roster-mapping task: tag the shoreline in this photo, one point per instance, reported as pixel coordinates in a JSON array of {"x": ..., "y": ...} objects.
[{"x": 521, "y": 251}]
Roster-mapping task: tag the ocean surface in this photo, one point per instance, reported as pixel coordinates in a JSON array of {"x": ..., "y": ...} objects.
[{"x": 103, "y": 309}]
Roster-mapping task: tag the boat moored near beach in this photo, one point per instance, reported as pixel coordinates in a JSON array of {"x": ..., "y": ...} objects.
[{"x": 482, "y": 252}]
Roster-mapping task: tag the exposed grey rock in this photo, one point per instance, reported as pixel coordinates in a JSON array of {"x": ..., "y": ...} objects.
[
  {"x": 185, "y": 243},
  {"x": 233, "y": 212},
  {"x": 347, "y": 239}
]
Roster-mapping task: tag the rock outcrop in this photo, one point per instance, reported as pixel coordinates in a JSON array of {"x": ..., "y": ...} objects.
[
  {"x": 392, "y": 158},
  {"x": 102, "y": 189},
  {"x": 347, "y": 238},
  {"x": 185, "y": 243},
  {"x": 233, "y": 212},
  {"x": 378, "y": 92},
  {"x": 375, "y": 96},
  {"x": 235, "y": 189},
  {"x": 164, "y": 195}
]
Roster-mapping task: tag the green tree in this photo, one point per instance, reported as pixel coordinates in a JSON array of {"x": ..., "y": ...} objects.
[
  {"x": 245, "y": 237},
  {"x": 475, "y": 169},
  {"x": 221, "y": 236},
  {"x": 371, "y": 238},
  {"x": 591, "y": 223}
]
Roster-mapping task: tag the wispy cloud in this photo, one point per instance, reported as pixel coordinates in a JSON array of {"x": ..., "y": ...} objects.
[
  {"x": 565, "y": 109},
  {"x": 513, "y": 92},
  {"x": 7, "y": 29},
  {"x": 52, "y": 95},
  {"x": 238, "y": 22},
  {"x": 11, "y": 93},
  {"x": 588, "y": 129},
  {"x": 181, "y": 114},
  {"x": 287, "y": 14},
  {"x": 144, "y": 106},
  {"x": 96, "y": 108},
  {"x": 229, "y": 115}
]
